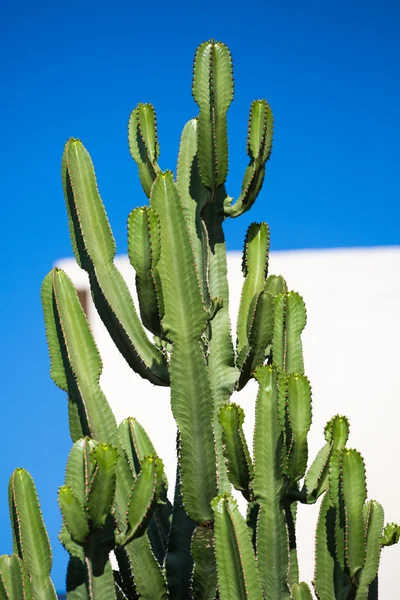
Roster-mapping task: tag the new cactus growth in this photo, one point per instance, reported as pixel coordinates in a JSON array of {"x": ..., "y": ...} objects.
[{"x": 114, "y": 496}]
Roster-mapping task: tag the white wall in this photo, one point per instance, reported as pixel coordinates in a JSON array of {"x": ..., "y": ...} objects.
[{"x": 352, "y": 358}]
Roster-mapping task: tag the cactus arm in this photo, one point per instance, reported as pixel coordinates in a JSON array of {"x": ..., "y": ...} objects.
[
  {"x": 255, "y": 267},
  {"x": 184, "y": 320},
  {"x": 373, "y": 519},
  {"x": 354, "y": 493},
  {"x": 192, "y": 407},
  {"x": 185, "y": 316},
  {"x": 299, "y": 416},
  {"x": 316, "y": 480},
  {"x": 137, "y": 445},
  {"x": 221, "y": 359},
  {"x": 204, "y": 577},
  {"x": 301, "y": 591},
  {"x": 239, "y": 466},
  {"x": 290, "y": 320},
  {"x": 390, "y": 535},
  {"x": 259, "y": 145},
  {"x": 337, "y": 502},
  {"x": 143, "y": 243},
  {"x": 213, "y": 92},
  {"x": 272, "y": 539},
  {"x": 80, "y": 348},
  {"x": 60, "y": 369},
  {"x": 324, "y": 552},
  {"x": 77, "y": 477},
  {"x": 103, "y": 484},
  {"x": 143, "y": 144},
  {"x": 331, "y": 580},
  {"x": 82, "y": 360},
  {"x": 57, "y": 362},
  {"x": 143, "y": 499},
  {"x": 194, "y": 196},
  {"x": 135, "y": 442},
  {"x": 79, "y": 468},
  {"x": 141, "y": 567},
  {"x": 14, "y": 580},
  {"x": 94, "y": 250},
  {"x": 236, "y": 564},
  {"x": 260, "y": 337},
  {"x": 74, "y": 517},
  {"x": 30, "y": 538}
]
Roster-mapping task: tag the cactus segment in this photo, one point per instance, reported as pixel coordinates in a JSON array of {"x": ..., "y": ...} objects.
[
  {"x": 79, "y": 468},
  {"x": 373, "y": 519},
  {"x": 275, "y": 284},
  {"x": 339, "y": 513},
  {"x": 325, "y": 568},
  {"x": 94, "y": 250},
  {"x": 135, "y": 442},
  {"x": 14, "y": 580},
  {"x": 30, "y": 539},
  {"x": 143, "y": 144},
  {"x": 144, "y": 253},
  {"x": 204, "y": 577},
  {"x": 267, "y": 449},
  {"x": 259, "y": 145},
  {"x": 272, "y": 538},
  {"x": 103, "y": 484},
  {"x": 354, "y": 496},
  {"x": 213, "y": 92},
  {"x": 82, "y": 362},
  {"x": 255, "y": 267},
  {"x": 236, "y": 564},
  {"x": 299, "y": 416},
  {"x": 194, "y": 196},
  {"x": 316, "y": 479},
  {"x": 137, "y": 445},
  {"x": 290, "y": 320},
  {"x": 143, "y": 499},
  {"x": 185, "y": 316},
  {"x": 142, "y": 569},
  {"x": 239, "y": 466},
  {"x": 390, "y": 535},
  {"x": 301, "y": 591},
  {"x": 73, "y": 514},
  {"x": 184, "y": 321},
  {"x": 221, "y": 357},
  {"x": 337, "y": 432},
  {"x": 192, "y": 407},
  {"x": 260, "y": 337}
]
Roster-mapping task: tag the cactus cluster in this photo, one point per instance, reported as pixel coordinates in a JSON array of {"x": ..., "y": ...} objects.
[{"x": 114, "y": 498}]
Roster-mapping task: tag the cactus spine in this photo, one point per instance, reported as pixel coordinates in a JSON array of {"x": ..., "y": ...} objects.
[{"x": 114, "y": 496}]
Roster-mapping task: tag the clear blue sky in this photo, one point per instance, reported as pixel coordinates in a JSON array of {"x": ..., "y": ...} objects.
[{"x": 330, "y": 71}]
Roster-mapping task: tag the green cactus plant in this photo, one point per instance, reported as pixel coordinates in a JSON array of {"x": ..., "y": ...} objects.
[{"x": 114, "y": 497}]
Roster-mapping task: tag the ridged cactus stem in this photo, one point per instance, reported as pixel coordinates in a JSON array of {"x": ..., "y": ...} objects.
[{"x": 114, "y": 496}]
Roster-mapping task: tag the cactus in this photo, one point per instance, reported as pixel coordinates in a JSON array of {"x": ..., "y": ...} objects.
[{"x": 114, "y": 497}]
